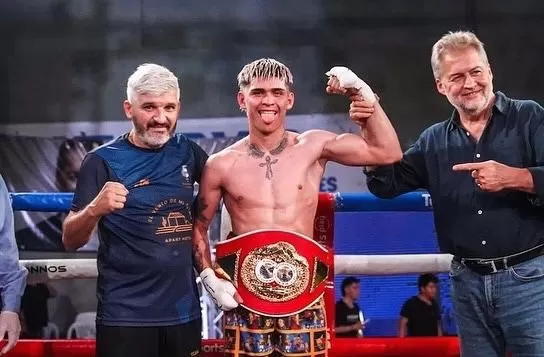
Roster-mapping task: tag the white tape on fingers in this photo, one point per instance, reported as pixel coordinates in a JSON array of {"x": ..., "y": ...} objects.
[
  {"x": 229, "y": 288},
  {"x": 227, "y": 301},
  {"x": 221, "y": 290},
  {"x": 347, "y": 79}
]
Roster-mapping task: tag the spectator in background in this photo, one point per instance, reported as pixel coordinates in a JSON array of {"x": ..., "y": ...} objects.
[
  {"x": 420, "y": 314},
  {"x": 47, "y": 235},
  {"x": 348, "y": 314}
]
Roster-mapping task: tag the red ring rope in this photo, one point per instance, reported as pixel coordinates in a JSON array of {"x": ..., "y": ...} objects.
[{"x": 345, "y": 347}]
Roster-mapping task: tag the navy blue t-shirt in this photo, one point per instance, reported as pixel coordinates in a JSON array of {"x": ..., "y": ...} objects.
[{"x": 145, "y": 262}]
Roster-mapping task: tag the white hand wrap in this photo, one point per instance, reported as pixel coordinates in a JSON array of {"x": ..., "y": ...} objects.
[
  {"x": 348, "y": 79},
  {"x": 221, "y": 290}
]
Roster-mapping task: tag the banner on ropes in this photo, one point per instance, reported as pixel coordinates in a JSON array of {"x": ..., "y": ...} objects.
[{"x": 46, "y": 158}]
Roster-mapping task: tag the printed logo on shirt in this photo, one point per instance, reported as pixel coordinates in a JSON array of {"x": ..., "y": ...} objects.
[
  {"x": 353, "y": 318},
  {"x": 173, "y": 220},
  {"x": 186, "y": 176},
  {"x": 142, "y": 182}
]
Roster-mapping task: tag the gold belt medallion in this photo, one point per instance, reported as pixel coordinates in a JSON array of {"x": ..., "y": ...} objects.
[{"x": 275, "y": 272}]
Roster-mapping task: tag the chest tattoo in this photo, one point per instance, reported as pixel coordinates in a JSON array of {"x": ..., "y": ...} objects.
[
  {"x": 281, "y": 146},
  {"x": 257, "y": 153},
  {"x": 268, "y": 162}
]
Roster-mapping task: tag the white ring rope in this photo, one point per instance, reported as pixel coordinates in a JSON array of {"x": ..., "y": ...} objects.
[
  {"x": 42, "y": 270},
  {"x": 391, "y": 264}
]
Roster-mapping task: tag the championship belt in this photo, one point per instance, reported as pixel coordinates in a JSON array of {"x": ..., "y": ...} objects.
[{"x": 277, "y": 273}]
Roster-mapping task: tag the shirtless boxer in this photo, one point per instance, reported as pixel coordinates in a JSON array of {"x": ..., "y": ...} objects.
[{"x": 270, "y": 180}]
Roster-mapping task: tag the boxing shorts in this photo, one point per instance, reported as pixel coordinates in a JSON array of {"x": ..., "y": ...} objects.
[{"x": 277, "y": 273}]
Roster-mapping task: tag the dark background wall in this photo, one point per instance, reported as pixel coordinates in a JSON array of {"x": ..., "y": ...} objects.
[{"x": 69, "y": 60}]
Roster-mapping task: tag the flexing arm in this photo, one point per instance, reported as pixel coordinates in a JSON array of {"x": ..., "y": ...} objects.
[
  {"x": 94, "y": 197},
  {"x": 207, "y": 201},
  {"x": 375, "y": 144},
  {"x": 78, "y": 228}
]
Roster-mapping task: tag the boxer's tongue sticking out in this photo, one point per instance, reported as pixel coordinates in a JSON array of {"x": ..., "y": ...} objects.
[{"x": 268, "y": 115}]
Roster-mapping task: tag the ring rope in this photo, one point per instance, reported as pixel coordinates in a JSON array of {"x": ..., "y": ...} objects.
[
  {"x": 52, "y": 269},
  {"x": 345, "y": 202},
  {"x": 41, "y": 270}
]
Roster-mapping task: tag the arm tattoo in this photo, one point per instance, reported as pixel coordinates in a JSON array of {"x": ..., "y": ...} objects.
[
  {"x": 201, "y": 246},
  {"x": 201, "y": 253},
  {"x": 201, "y": 206}
]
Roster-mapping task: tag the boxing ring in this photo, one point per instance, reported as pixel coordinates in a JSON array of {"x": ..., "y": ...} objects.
[{"x": 44, "y": 270}]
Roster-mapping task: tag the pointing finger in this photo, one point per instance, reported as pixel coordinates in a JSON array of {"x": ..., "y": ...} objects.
[{"x": 468, "y": 166}]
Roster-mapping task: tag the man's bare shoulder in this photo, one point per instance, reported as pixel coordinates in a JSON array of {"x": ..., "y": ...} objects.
[{"x": 225, "y": 158}]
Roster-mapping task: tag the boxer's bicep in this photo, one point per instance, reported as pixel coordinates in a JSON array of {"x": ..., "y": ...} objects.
[{"x": 346, "y": 149}]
